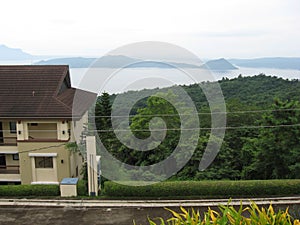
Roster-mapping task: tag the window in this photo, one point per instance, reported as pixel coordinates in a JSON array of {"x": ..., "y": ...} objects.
[
  {"x": 33, "y": 124},
  {"x": 43, "y": 162},
  {"x": 13, "y": 127},
  {"x": 15, "y": 156}
]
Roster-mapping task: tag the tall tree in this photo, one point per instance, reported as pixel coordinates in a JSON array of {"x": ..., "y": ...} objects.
[
  {"x": 103, "y": 120},
  {"x": 276, "y": 148}
]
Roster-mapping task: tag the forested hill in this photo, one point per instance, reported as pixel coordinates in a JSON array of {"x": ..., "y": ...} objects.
[
  {"x": 259, "y": 91},
  {"x": 261, "y": 140}
]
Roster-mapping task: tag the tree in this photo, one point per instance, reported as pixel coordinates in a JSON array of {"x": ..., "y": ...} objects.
[
  {"x": 156, "y": 106},
  {"x": 276, "y": 148},
  {"x": 103, "y": 120}
]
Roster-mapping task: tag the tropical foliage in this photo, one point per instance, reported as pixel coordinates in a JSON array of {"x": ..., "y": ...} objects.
[
  {"x": 262, "y": 135},
  {"x": 227, "y": 214}
]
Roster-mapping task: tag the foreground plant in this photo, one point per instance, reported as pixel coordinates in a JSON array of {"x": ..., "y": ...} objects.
[{"x": 228, "y": 215}]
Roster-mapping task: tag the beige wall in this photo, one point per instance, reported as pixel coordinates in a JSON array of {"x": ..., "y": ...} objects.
[
  {"x": 75, "y": 162},
  {"x": 42, "y": 131},
  {"x": 6, "y": 128},
  {"x": 58, "y": 129},
  {"x": 77, "y": 127},
  {"x": 65, "y": 161},
  {"x": 10, "y": 161},
  {"x": 9, "y": 138},
  {"x": 26, "y": 163}
]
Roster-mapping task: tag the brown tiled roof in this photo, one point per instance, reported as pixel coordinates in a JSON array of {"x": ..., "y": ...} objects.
[{"x": 40, "y": 92}]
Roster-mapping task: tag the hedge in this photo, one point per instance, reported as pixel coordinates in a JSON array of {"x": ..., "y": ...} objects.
[
  {"x": 29, "y": 190},
  {"x": 82, "y": 188},
  {"x": 249, "y": 188}
]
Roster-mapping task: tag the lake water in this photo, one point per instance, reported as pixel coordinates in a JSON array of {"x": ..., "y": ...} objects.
[{"x": 145, "y": 78}]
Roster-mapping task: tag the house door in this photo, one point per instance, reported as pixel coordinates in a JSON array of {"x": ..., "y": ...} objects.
[{"x": 1, "y": 134}]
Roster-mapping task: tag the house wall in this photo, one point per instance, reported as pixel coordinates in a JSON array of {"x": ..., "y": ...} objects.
[
  {"x": 62, "y": 160},
  {"x": 42, "y": 130},
  {"x": 77, "y": 127},
  {"x": 45, "y": 129},
  {"x": 67, "y": 163},
  {"x": 76, "y": 161},
  {"x": 9, "y": 138},
  {"x": 10, "y": 161},
  {"x": 6, "y": 129}
]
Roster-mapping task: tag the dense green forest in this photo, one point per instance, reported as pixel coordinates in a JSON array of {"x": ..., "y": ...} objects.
[{"x": 261, "y": 139}]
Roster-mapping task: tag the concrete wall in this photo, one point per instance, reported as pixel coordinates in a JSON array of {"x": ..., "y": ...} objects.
[
  {"x": 61, "y": 131},
  {"x": 11, "y": 162},
  {"x": 45, "y": 129},
  {"x": 9, "y": 138},
  {"x": 42, "y": 131},
  {"x": 6, "y": 128},
  {"x": 62, "y": 161},
  {"x": 77, "y": 127}
]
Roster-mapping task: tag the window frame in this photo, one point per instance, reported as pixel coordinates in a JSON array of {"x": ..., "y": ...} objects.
[
  {"x": 44, "y": 162},
  {"x": 15, "y": 156}
]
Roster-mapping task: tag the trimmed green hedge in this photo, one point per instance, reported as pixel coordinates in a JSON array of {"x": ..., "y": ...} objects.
[
  {"x": 249, "y": 188},
  {"x": 29, "y": 190},
  {"x": 82, "y": 188}
]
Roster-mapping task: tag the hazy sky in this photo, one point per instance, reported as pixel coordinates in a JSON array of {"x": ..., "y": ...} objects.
[{"x": 210, "y": 28}]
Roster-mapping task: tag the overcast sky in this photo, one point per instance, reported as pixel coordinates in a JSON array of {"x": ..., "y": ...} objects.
[{"x": 210, "y": 28}]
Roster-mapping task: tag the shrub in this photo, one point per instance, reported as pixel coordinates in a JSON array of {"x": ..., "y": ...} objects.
[
  {"x": 228, "y": 215},
  {"x": 29, "y": 190},
  {"x": 82, "y": 188},
  {"x": 226, "y": 189}
]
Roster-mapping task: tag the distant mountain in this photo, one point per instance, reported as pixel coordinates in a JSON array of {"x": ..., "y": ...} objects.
[
  {"x": 111, "y": 61},
  {"x": 276, "y": 63},
  {"x": 220, "y": 64},
  {"x": 7, "y": 53},
  {"x": 117, "y": 61},
  {"x": 74, "y": 62}
]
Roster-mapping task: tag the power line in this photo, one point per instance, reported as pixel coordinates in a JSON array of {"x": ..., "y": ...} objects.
[
  {"x": 187, "y": 114},
  {"x": 200, "y": 128},
  {"x": 195, "y": 128},
  {"x": 171, "y": 129},
  {"x": 200, "y": 113}
]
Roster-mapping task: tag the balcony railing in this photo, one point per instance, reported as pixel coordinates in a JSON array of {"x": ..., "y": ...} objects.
[
  {"x": 9, "y": 169},
  {"x": 8, "y": 141}
]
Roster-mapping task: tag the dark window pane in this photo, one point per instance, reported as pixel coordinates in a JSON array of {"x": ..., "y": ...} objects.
[
  {"x": 13, "y": 127},
  {"x": 16, "y": 156},
  {"x": 43, "y": 162}
]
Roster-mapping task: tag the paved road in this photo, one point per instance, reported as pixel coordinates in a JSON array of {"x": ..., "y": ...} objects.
[{"x": 106, "y": 212}]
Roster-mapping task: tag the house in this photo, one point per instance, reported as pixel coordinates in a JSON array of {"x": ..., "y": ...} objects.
[{"x": 36, "y": 122}]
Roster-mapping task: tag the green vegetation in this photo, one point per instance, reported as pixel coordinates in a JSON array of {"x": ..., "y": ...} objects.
[
  {"x": 262, "y": 140},
  {"x": 82, "y": 189},
  {"x": 206, "y": 189},
  {"x": 228, "y": 215},
  {"x": 29, "y": 190}
]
